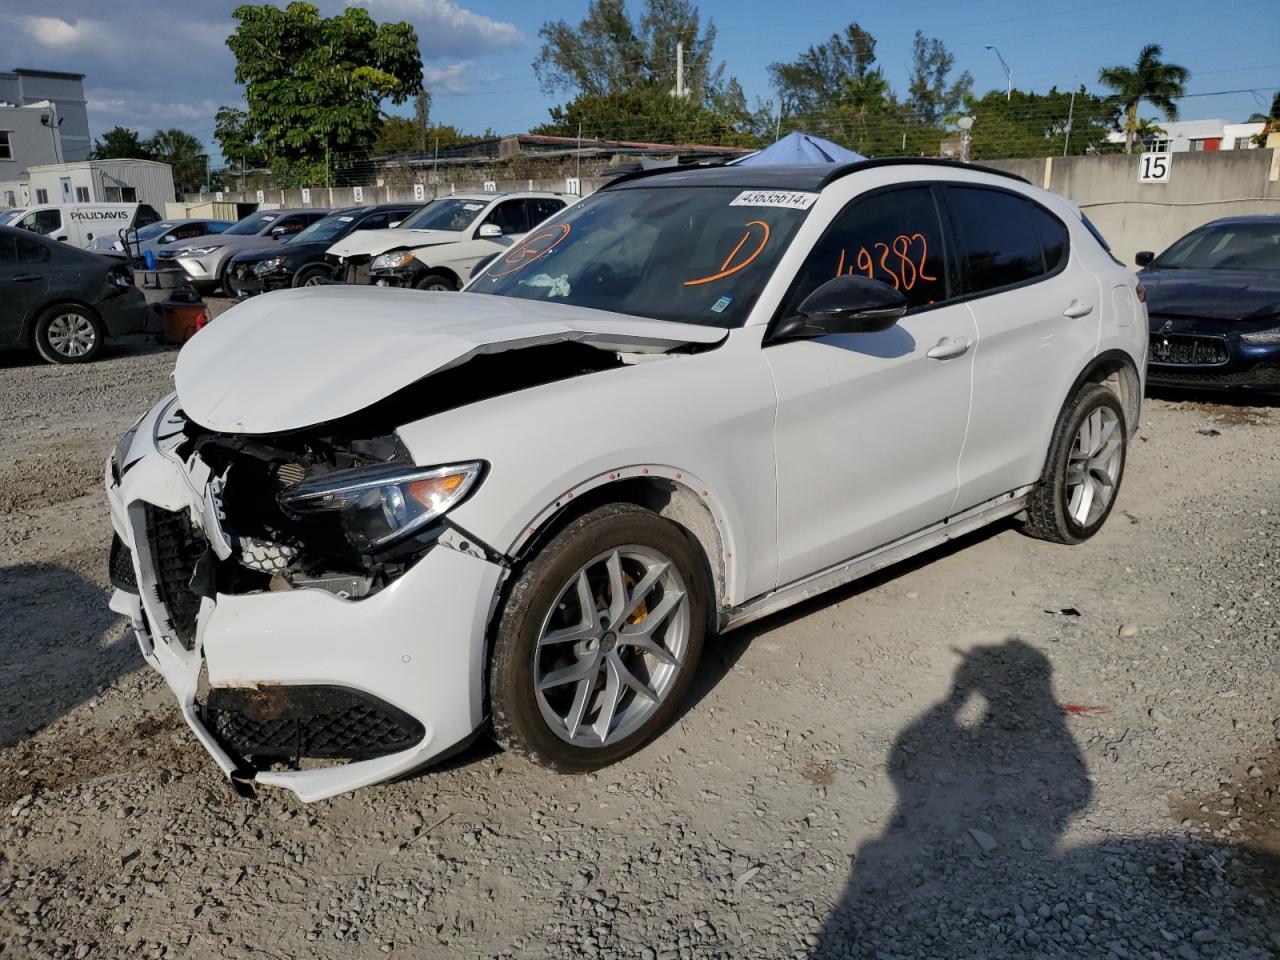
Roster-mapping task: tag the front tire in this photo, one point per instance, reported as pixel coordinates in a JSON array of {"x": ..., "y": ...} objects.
[
  {"x": 69, "y": 334},
  {"x": 1082, "y": 474},
  {"x": 598, "y": 640},
  {"x": 437, "y": 282},
  {"x": 313, "y": 277}
]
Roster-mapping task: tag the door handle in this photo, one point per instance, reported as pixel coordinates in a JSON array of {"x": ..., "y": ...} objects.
[
  {"x": 1077, "y": 309},
  {"x": 949, "y": 347},
  {"x": 27, "y": 278}
]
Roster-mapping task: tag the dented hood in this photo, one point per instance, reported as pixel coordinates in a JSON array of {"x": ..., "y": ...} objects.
[
  {"x": 373, "y": 242},
  {"x": 295, "y": 358}
]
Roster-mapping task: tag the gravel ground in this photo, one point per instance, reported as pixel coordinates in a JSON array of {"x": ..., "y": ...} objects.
[{"x": 1005, "y": 749}]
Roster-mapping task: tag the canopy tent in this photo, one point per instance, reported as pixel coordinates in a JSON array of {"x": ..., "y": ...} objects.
[{"x": 797, "y": 147}]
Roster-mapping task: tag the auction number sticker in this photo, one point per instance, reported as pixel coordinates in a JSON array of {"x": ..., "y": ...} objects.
[{"x": 790, "y": 199}]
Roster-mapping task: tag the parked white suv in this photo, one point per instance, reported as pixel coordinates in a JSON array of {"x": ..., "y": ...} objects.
[{"x": 691, "y": 400}]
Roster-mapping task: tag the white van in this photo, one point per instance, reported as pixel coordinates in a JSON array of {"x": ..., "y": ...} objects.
[{"x": 79, "y": 223}]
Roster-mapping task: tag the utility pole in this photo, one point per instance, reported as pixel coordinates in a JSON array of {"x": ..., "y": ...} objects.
[
  {"x": 1071, "y": 112},
  {"x": 777, "y": 127},
  {"x": 680, "y": 91},
  {"x": 578, "y": 172}
]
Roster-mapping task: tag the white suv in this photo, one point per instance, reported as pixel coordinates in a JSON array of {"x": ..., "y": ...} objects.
[{"x": 691, "y": 399}]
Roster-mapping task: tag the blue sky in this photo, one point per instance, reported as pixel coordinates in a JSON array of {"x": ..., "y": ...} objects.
[{"x": 152, "y": 65}]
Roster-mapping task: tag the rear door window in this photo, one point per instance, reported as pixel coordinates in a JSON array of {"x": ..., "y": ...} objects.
[
  {"x": 543, "y": 207},
  {"x": 999, "y": 246},
  {"x": 1054, "y": 240},
  {"x": 894, "y": 237},
  {"x": 511, "y": 215}
]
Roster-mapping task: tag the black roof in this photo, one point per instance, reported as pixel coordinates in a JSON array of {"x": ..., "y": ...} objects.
[{"x": 807, "y": 177}]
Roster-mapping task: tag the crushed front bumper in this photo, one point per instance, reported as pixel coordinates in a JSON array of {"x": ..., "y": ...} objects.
[{"x": 414, "y": 649}]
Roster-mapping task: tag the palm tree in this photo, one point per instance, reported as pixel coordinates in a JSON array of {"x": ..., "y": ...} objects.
[
  {"x": 1150, "y": 79},
  {"x": 184, "y": 153}
]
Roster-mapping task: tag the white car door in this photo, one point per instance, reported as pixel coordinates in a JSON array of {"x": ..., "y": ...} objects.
[
  {"x": 870, "y": 426},
  {"x": 511, "y": 217},
  {"x": 1037, "y": 315}
]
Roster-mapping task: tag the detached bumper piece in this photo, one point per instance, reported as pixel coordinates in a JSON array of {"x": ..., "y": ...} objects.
[{"x": 279, "y": 722}]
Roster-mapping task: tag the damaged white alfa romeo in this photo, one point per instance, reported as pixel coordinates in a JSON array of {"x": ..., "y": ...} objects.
[{"x": 371, "y": 524}]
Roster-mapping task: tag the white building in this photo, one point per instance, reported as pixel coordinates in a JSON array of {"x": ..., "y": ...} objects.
[
  {"x": 1193, "y": 136},
  {"x": 98, "y": 181}
]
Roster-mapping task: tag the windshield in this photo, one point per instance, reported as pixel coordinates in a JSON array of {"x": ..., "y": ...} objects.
[
  {"x": 155, "y": 229},
  {"x": 326, "y": 228},
  {"x": 455, "y": 213},
  {"x": 254, "y": 223},
  {"x": 691, "y": 254},
  {"x": 1225, "y": 246}
]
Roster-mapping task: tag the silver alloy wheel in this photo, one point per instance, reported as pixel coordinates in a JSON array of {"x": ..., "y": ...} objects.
[
  {"x": 71, "y": 334},
  {"x": 1092, "y": 466},
  {"x": 315, "y": 280},
  {"x": 612, "y": 646},
  {"x": 441, "y": 285}
]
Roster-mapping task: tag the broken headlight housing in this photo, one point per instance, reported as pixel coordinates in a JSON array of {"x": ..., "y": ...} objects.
[
  {"x": 269, "y": 265},
  {"x": 378, "y": 506}
]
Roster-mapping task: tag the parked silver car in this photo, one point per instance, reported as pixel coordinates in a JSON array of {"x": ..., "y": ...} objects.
[
  {"x": 156, "y": 235},
  {"x": 204, "y": 259}
]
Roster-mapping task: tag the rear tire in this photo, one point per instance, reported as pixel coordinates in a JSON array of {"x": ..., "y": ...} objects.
[
  {"x": 582, "y": 673},
  {"x": 435, "y": 281},
  {"x": 1083, "y": 471},
  {"x": 69, "y": 334}
]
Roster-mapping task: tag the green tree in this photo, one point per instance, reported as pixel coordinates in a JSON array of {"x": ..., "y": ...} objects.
[
  {"x": 1025, "y": 124},
  {"x": 184, "y": 153},
  {"x": 610, "y": 62},
  {"x": 230, "y": 129},
  {"x": 814, "y": 79},
  {"x": 400, "y": 136},
  {"x": 931, "y": 99},
  {"x": 1150, "y": 79},
  {"x": 314, "y": 85},
  {"x": 118, "y": 143}
]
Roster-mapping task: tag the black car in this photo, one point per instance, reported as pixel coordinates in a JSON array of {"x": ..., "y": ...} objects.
[
  {"x": 1213, "y": 299},
  {"x": 62, "y": 300},
  {"x": 301, "y": 262}
]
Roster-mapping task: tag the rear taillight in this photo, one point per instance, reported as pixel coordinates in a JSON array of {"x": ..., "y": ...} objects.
[{"x": 1142, "y": 293}]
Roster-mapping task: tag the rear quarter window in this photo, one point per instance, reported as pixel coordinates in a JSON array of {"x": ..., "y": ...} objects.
[{"x": 999, "y": 245}]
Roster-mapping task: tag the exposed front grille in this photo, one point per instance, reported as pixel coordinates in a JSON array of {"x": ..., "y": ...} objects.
[
  {"x": 1265, "y": 375},
  {"x": 120, "y": 566},
  {"x": 1176, "y": 348},
  {"x": 175, "y": 550},
  {"x": 168, "y": 263},
  {"x": 308, "y": 721}
]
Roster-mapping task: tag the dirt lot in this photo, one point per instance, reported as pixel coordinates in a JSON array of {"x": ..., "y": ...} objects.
[{"x": 1005, "y": 749}]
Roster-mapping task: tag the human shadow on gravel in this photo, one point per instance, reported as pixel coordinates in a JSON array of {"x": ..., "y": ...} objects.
[
  {"x": 52, "y": 656},
  {"x": 969, "y": 864}
]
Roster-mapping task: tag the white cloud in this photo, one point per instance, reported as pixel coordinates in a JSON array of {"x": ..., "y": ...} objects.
[
  {"x": 446, "y": 29},
  {"x": 454, "y": 78}
]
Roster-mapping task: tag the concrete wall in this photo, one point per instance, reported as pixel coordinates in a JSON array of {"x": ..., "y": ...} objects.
[{"x": 1149, "y": 216}]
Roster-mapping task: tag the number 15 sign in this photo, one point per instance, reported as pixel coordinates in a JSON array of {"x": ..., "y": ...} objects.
[{"x": 1155, "y": 167}]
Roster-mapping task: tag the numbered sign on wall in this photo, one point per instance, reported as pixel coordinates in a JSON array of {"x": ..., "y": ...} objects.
[
  {"x": 419, "y": 191},
  {"x": 1154, "y": 167},
  {"x": 218, "y": 196},
  {"x": 490, "y": 186},
  {"x": 262, "y": 196},
  {"x": 357, "y": 194},
  {"x": 306, "y": 196},
  {"x": 573, "y": 186}
]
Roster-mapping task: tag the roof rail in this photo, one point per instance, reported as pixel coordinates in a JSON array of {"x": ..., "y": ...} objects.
[{"x": 837, "y": 170}]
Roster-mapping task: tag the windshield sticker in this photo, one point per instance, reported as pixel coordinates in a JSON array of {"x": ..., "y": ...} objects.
[
  {"x": 721, "y": 305},
  {"x": 789, "y": 199},
  {"x": 473, "y": 206},
  {"x": 267, "y": 219},
  {"x": 757, "y": 232},
  {"x": 555, "y": 286},
  {"x": 346, "y": 219},
  {"x": 534, "y": 248},
  {"x": 897, "y": 259}
]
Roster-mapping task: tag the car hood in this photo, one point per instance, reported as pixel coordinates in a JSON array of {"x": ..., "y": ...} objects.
[
  {"x": 290, "y": 249},
  {"x": 1211, "y": 294},
  {"x": 374, "y": 242},
  {"x": 306, "y": 356}
]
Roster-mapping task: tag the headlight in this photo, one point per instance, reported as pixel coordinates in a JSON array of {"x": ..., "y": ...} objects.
[
  {"x": 1262, "y": 337},
  {"x": 198, "y": 251},
  {"x": 269, "y": 265},
  {"x": 380, "y": 505},
  {"x": 125, "y": 443},
  {"x": 387, "y": 261}
]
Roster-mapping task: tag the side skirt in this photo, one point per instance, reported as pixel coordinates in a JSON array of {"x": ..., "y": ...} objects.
[{"x": 1005, "y": 505}]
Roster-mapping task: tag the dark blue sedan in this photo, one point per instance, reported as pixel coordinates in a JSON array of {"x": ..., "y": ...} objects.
[{"x": 1214, "y": 304}]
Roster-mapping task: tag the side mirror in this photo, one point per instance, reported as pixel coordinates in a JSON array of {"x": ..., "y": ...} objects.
[
  {"x": 846, "y": 304},
  {"x": 278, "y": 232},
  {"x": 393, "y": 225},
  {"x": 489, "y": 230},
  {"x": 169, "y": 238},
  {"x": 1143, "y": 257}
]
